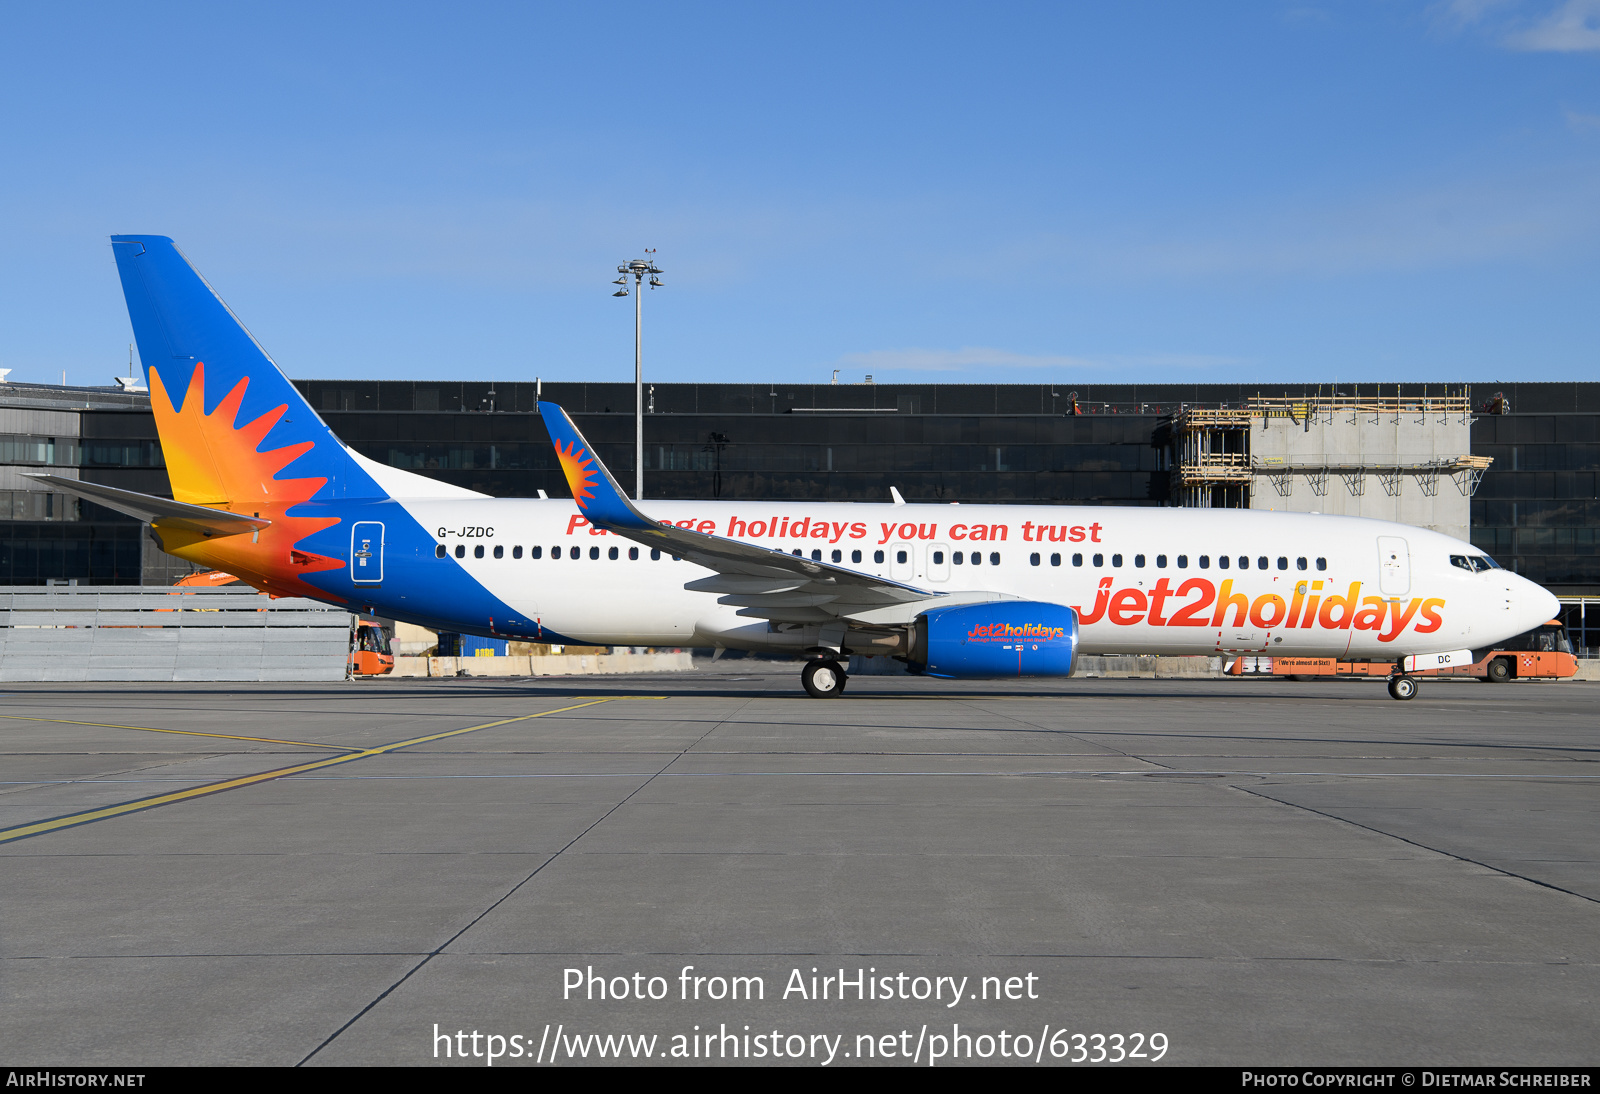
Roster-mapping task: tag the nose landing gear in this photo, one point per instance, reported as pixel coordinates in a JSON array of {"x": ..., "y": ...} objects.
[
  {"x": 823, "y": 679},
  {"x": 1402, "y": 687}
]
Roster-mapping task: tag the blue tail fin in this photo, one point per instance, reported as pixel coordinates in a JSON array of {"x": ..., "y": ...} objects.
[{"x": 233, "y": 428}]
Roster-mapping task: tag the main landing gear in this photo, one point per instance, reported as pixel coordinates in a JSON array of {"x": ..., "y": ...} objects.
[
  {"x": 823, "y": 679},
  {"x": 1402, "y": 687}
]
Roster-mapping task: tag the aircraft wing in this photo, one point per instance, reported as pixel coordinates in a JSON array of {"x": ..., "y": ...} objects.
[
  {"x": 161, "y": 512},
  {"x": 764, "y": 583}
]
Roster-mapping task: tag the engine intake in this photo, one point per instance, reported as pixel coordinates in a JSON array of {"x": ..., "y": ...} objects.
[{"x": 1005, "y": 638}]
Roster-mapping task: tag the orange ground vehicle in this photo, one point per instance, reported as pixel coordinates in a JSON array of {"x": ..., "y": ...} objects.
[
  {"x": 1544, "y": 653},
  {"x": 370, "y": 654}
]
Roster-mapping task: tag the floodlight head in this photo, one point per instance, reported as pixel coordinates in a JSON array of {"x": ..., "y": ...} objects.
[
  {"x": 655, "y": 282},
  {"x": 620, "y": 292},
  {"x": 620, "y": 281}
]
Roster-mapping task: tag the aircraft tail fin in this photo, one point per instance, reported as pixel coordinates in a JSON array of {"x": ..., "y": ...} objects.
[{"x": 235, "y": 432}]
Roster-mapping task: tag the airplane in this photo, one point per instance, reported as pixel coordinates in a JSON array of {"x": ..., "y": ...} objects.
[{"x": 263, "y": 489}]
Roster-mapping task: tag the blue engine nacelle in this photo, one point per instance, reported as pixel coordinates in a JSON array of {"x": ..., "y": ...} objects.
[{"x": 1001, "y": 638}]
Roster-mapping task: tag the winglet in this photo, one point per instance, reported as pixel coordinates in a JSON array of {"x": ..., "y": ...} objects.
[{"x": 598, "y": 496}]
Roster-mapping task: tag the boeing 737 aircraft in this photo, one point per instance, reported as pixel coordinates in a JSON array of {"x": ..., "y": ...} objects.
[{"x": 264, "y": 490}]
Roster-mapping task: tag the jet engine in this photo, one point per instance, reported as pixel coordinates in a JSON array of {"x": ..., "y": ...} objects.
[{"x": 1001, "y": 638}]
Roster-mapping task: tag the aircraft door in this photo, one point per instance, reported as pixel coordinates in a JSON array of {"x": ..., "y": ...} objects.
[
  {"x": 366, "y": 552},
  {"x": 902, "y": 562},
  {"x": 1394, "y": 566}
]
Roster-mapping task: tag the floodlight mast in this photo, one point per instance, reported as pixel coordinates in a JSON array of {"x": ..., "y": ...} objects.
[{"x": 639, "y": 267}]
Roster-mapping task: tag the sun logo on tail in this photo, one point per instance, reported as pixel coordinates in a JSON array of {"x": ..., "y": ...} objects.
[
  {"x": 578, "y": 466},
  {"x": 215, "y": 463}
]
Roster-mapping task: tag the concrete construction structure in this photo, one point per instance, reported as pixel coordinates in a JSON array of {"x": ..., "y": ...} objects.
[{"x": 1383, "y": 457}]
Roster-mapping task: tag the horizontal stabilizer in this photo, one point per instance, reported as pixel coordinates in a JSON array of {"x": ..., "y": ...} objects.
[{"x": 162, "y": 511}]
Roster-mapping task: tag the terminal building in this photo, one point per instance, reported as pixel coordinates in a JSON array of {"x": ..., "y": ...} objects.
[{"x": 1513, "y": 467}]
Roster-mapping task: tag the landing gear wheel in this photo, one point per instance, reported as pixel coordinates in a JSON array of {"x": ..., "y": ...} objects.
[
  {"x": 1499, "y": 671},
  {"x": 1402, "y": 687},
  {"x": 823, "y": 679}
]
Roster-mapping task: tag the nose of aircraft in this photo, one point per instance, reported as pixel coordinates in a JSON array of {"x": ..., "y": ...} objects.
[{"x": 1532, "y": 604}]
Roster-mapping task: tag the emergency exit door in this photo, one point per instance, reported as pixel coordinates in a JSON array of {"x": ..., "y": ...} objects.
[{"x": 366, "y": 553}]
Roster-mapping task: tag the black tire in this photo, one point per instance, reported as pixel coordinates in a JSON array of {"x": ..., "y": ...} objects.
[
  {"x": 823, "y": 679},
  {"x": 1402, "y": 688},
  {"x": 1499, "y": 670}
]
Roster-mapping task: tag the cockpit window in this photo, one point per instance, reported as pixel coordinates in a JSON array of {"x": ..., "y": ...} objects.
[
  {"x": 1461, "y": 561},
  {"x": 1476, "y": 564}
]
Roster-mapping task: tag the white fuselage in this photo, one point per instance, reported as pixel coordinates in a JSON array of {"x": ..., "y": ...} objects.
[{"x": 1143, "y": 580}]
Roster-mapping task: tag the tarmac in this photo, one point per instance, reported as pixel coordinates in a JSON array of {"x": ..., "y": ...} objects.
[{"x": 1243, "y": 872}]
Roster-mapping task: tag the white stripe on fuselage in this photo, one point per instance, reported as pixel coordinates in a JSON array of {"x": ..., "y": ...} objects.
[{"x": 643, "y": 602}]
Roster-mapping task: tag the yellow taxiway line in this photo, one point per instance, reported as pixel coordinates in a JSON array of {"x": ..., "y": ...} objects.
[{"x": 70, "y": 820}]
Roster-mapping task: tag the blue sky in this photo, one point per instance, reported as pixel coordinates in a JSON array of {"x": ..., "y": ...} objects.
[{"x": 1052, "y": 192}]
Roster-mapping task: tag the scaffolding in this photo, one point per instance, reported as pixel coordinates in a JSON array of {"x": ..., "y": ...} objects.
[{"x": 1213, "y": 467}]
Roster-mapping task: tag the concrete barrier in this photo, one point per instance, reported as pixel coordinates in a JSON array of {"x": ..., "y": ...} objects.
[
  {"x": 119, "y": 632},
  {"x": 551, "y": 665},
  {"x": 1588, "y": 670}
]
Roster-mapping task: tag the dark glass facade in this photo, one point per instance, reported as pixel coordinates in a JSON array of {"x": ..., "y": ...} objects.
[{"x": 1537, "y": 509}]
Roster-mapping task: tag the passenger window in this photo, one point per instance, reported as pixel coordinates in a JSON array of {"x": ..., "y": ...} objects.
[
  {"x": 1161, "y": 562},
  {"x": 1300, "y": 563},
  {"x": 1322, "y": 564},
  {"x": 816, "y": 555},
  {"x": 1033, "y": 559},
  {"x": 1244, "y": 562},
  {"x": 1138, "y": 560},
  {"x": 1116, "y": 560},
  {"x": 499, "y": 551},
  {"x": 1261, "y": 563},
  {"x": 795, "y": 553},
  {"x": 477, "y": 552},
  {"x": 1055, "y": 560},
  {"x": 1222, "y": 562},
  {"x": 1099, "y": 560},
  {"x": 877, "y": 556},
  {"x": 612, "y": 554},
  {"x": 633, "y": 554},
  {"x": 461, "y": 551},
  {"x": 994, "y": 558},
  {"x": 938, "y": 558},
  {"x": 439, "y": 551},
  {"x": 594, "y": 553},
  {"x": 1077, "y": 560},
  {"x": 855, "y": 556},
  {"x": 977, "y": 559},
  {"x": 838, "y": 556},
  {"x": 957, "y": 558},
  {"x": 1283, "y": 562},
  {"x": 1183, "y": 562},
  {"x": 516, "y": 552},
  {"x": 655, "y": 555},
  {"x": 1205, "y": 561}
]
